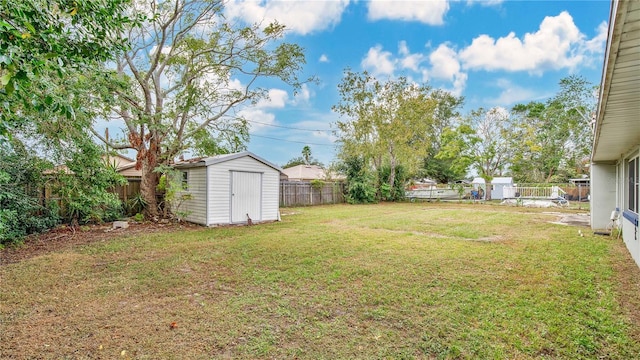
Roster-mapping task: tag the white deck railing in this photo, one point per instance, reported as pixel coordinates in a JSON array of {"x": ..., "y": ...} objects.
[{"x": 526, "y": 192}]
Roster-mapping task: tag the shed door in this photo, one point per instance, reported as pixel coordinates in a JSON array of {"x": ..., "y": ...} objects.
[{"x": 246, "y": 196}]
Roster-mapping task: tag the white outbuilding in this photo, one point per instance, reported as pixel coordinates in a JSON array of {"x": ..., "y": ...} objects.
[
  {"x": 229, "y": 189},
  {"x": 498, "y": 184}
]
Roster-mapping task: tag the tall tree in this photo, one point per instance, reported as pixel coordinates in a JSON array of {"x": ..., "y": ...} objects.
[
  {"x": 447, "y": 111},
  {"x": 551, "y": 140},
  {"x": 575, "y": 103},
  {"x": 480, "y": 142},
  {"x": 387, "y": 123},
  {"x": 306, "y": 154},
  {"x": 181, "y": 83}
]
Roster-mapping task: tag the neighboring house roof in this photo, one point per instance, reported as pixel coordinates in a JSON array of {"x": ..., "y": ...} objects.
[
  {"x": 124, "y": 166},
  {"x": 118, "y": 160},
  {"x": 129, "y": 170},
  {"x": 502, "y": 180},
  {"x": 616, "y": 128},
  {"x": 305, "y": 172},
  {"x": 206, "y": 161},
  {"x": 478, "y": 180},
  {"x": 310, "y": 172}
]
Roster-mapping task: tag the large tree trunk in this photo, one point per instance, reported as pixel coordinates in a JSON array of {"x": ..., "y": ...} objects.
[
  {"x": 392, "y": 177},
  {"x": 148, "y": 186}
]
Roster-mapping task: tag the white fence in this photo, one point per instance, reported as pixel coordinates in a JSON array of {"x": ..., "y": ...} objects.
[{"x": 530, "y": 192}]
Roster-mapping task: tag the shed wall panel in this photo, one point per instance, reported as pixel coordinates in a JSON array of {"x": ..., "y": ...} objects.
[{"x": 196, "y": 207}]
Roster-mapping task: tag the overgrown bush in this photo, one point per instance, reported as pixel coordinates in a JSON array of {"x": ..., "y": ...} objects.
[
  {"x": 360, "y": 183},
  {"x": 83, "y": 189},
  {"x": 136, "y": 204},
  {"x": 21, "y": 211},
  {"x": 387, "y": 192}
]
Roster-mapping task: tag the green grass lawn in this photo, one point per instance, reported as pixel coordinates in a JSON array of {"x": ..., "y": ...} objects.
[{"x": 397, "y": 281}]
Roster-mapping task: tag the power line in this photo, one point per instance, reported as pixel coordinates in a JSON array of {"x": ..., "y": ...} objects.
[
  {"x": 286, "y": 127},
  {"x": 291, "y": 141}
]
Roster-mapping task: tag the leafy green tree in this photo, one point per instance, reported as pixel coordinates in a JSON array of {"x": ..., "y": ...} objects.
[
  {"x": 551, "y": 140},
  {"x": 181, "y": 83},
  {"x": 481, "y": 142},
  {"x": 387, "y": 123},
  {"x": 446, "y": 112},
  {"x": 42, "y": 39},
  {"x": 575, "y": 104},
  {"x": 538, "y": 143},
  {"x": 441, "y": 170}
]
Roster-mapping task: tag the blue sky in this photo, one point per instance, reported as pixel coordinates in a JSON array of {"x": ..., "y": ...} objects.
[{"x": 494, "y": 53}]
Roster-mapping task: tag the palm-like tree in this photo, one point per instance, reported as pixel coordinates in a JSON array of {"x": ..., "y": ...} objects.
[{"x": 306, "y": 154}]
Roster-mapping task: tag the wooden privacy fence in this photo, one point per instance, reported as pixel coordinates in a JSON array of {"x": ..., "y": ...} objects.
[
  {"x": 297, "y": 193},
  {"x": 128, "y": 190}
]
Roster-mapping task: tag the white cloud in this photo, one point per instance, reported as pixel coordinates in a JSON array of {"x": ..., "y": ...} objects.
[
  {"x": 409, "y": 61},
  {"x": 555, "y": 45},
  {"x": 446, "y": 66},
  {"x": 259, "y": 120},
  {"x": 302, "y": 17},
  {"x": 378, "y": 62},
  {"x": 277, "y": 99},
  {"x": 558, "y": 44},
  {"x": 324, "y": 58},
  {"x": 598, "y": 43},
  {"x": 444, "y": 63},
  {"x": 430, "y": 12},
  {"x": 303, "y": 95}
]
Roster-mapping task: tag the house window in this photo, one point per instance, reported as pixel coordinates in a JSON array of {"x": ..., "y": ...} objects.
[
  {"x": 185, "y": 180},
  {"x": 633, "y": 179}
]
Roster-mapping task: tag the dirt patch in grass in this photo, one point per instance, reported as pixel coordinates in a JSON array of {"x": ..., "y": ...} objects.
[{"x": 66, "y": 237}]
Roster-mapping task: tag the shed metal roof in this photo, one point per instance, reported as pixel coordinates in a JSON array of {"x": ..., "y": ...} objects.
[
  {"x": 199, "y": 162},
  {"x": 502, "y": 180}
]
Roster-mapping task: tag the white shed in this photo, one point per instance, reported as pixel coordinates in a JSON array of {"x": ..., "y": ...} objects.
[
  {"x": 230, "y": 189},
  {"x": 497, "y": 187},
  {"x": 479, "y": 187}
]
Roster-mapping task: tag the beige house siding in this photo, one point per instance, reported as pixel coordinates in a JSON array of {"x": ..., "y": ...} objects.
[{"x": 130, "y": 172}]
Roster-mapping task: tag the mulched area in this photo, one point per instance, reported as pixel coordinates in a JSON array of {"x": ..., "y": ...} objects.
[{"x": 66, "y": 237}]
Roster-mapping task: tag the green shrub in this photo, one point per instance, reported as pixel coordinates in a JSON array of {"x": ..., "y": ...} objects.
[
  {"x": 360, "y": 183},
  {"x": 387, "y": 192},
  {"x": 21, "y": 212},
  {"x": 83, "y": 190}
]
